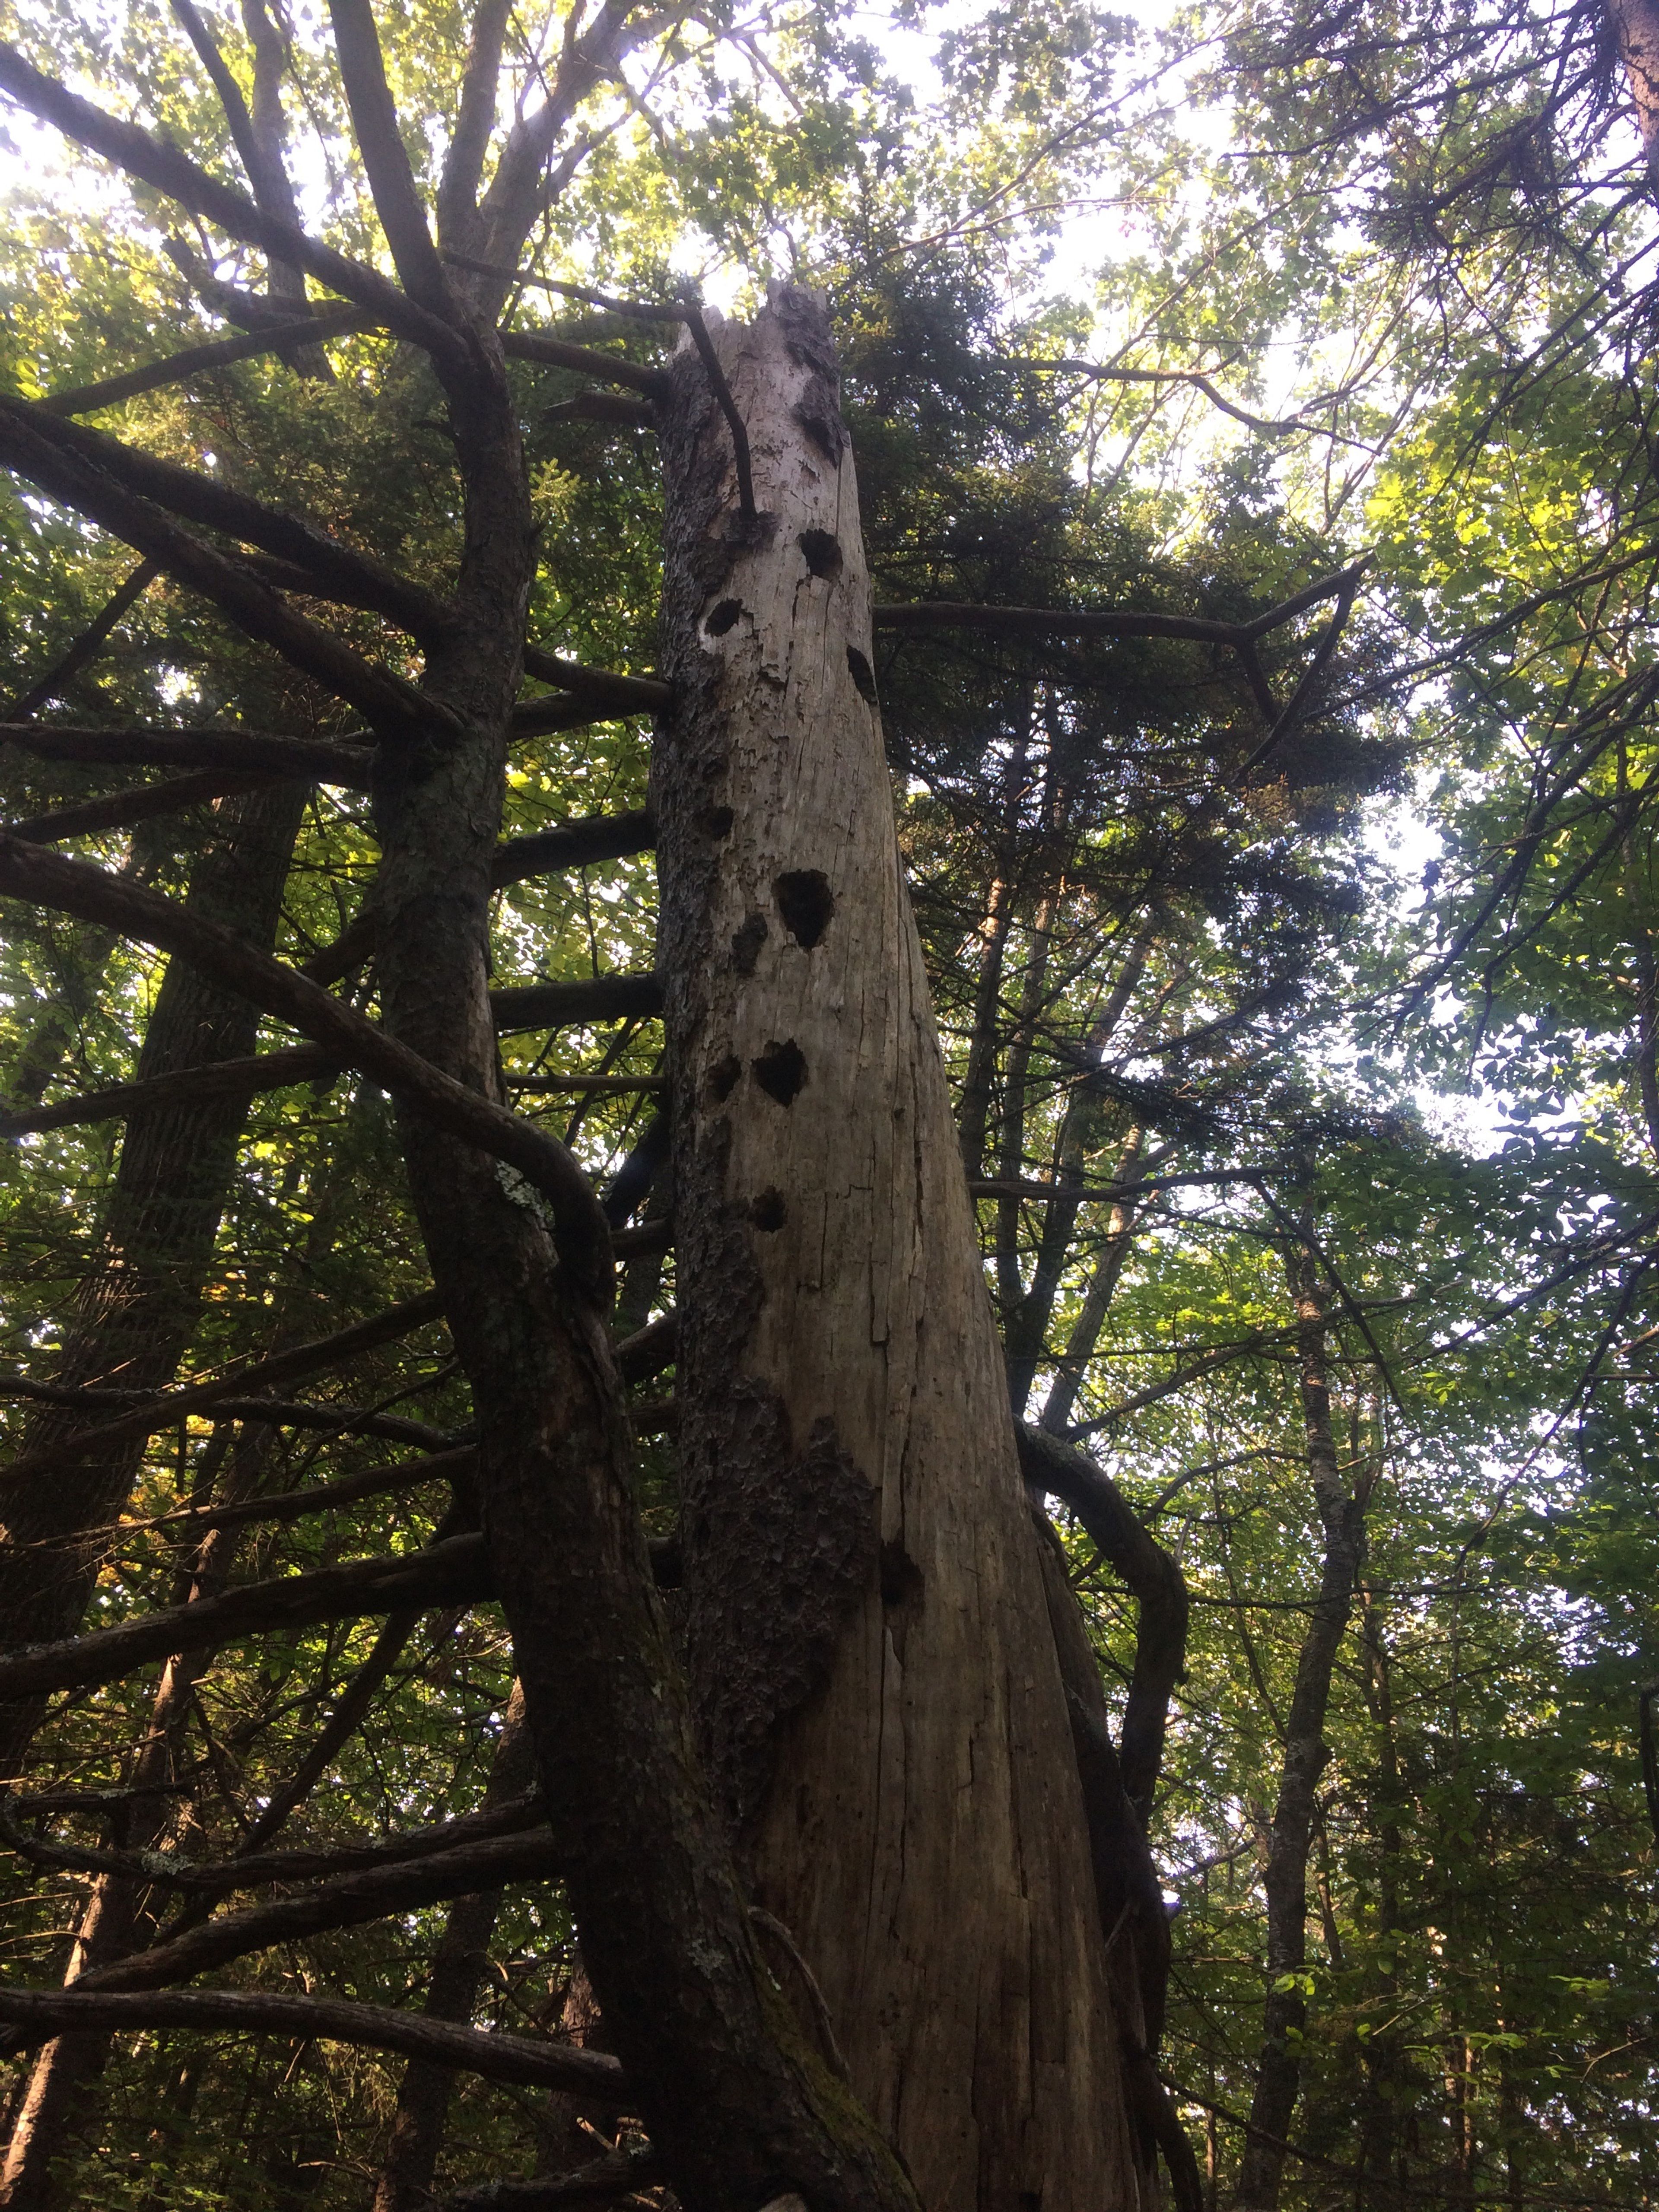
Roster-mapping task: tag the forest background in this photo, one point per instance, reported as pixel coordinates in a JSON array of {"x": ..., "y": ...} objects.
[{"x": 1299, "y": 996}]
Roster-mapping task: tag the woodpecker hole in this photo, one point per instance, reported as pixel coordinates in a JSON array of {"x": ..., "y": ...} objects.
[
  {"x": 768, "y": 1211},
  {"x": 805, "y": 902},
  {"x": 781, "y": 1071},
  {"x": 746, "y": 942},
  {"x": 723, "y": 617},
  {"x": 823, "y": 552}
]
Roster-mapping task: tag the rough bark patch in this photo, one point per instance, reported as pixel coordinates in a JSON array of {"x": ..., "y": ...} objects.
[{"x": 791, "y": 1542}]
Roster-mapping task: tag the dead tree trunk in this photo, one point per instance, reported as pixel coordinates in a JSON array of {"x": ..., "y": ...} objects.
[
  {"x": 1342, "y": 1520},
  {"x": 874, "y": 1674}
]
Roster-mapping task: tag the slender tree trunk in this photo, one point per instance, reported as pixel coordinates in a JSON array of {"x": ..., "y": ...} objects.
[
  {"x": 873, "y": 1669},
  {"x": 459, "y": 1966},
  {"x": 1342, "y": 1520},
  {"x": 1026, "y": 1329},
  {"x": 136, "y": 1311},
  {"x": 1073, "y": 1363}
]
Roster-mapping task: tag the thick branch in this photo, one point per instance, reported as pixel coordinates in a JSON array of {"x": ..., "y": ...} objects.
[
  {"x": 573, "y": 845},
  {"x": 585, "y": 361},
  {"x": 42, "y": 2014},
  {"x": 142, "y": 802},
  {"x": 626, "y": 694},
  {"x": 29, "y": 872},
  {"x": 601, "y": 2181},
  {"x": 321, "y": 563},
  {"x": 475, "y": 120},
  {"x": 225, "y": 1078},
  {"x": 396, "y": 708},
  {"x": 591, "y": 998},
  {"x": 162, "y": 165},
  {"x": 198, "y": 359},
  {"x": 390, "y": 180},
  {"x": 312, "y": 760},
  {"x": 163, "y": 1410},
  {"x": 454, "y": 1572},
  {"x": 223, "y": 1876},
  {"x": 347, "y": 1900},
  {"x": 1059, "y": 1470}
]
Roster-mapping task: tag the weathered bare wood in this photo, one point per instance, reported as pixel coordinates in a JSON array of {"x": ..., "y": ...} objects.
[{"x": 871, "y": 1653}]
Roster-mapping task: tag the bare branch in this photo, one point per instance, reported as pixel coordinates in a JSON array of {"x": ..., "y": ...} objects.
[
  {"x": 581, "y": 1231},
  {"x": 601, "y": 2181},
  {"x": 587, "y": 360},
  {"x": 347, "y": 1900},
  {"x": 397, "y": 708},
  {"x": 592, "y": 999},
  {"x": 475, "y": 118},
  {"x": 636, "y": 311},
  {"x": 727, "y": 405},
  {"x": 86, "y": 647},
  {"x": 223, "y": 1876},
  {"x": 1091, "y": 622},
  {"x": 224, "y": 1078},
  {"x": 171, "y": 1405},
  {"x": 118, "y": 810},
  {"x": 627, "y": 695},
  {"x": 195, "y": 361},
  {"x": 312, "y": 760},
  {"x": 516, "y": 194},
  {"x": 592, "y": 2075},
  {"x": 454, "y": 1572},
  {"x": 573, "y": 844},
  {"x": 169, "y": 171},
  {"x": 322, "y": 564}
]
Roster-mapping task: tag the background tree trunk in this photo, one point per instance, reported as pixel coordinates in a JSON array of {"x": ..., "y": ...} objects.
[
  {"x": 874, "y": 1673},
  {"x": 1342, "y": 1518},
  {"x": 135, "y": 1311}
]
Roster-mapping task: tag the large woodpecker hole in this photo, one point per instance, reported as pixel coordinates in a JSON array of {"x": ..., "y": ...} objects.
[
  {"x": 805, "y": 902},
  {"x": 781, "y": 1071},
  {"x": 768, "y": 1211},
  {"x": 823, "y": 555},
  {"x": 723, "y": 617}
]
